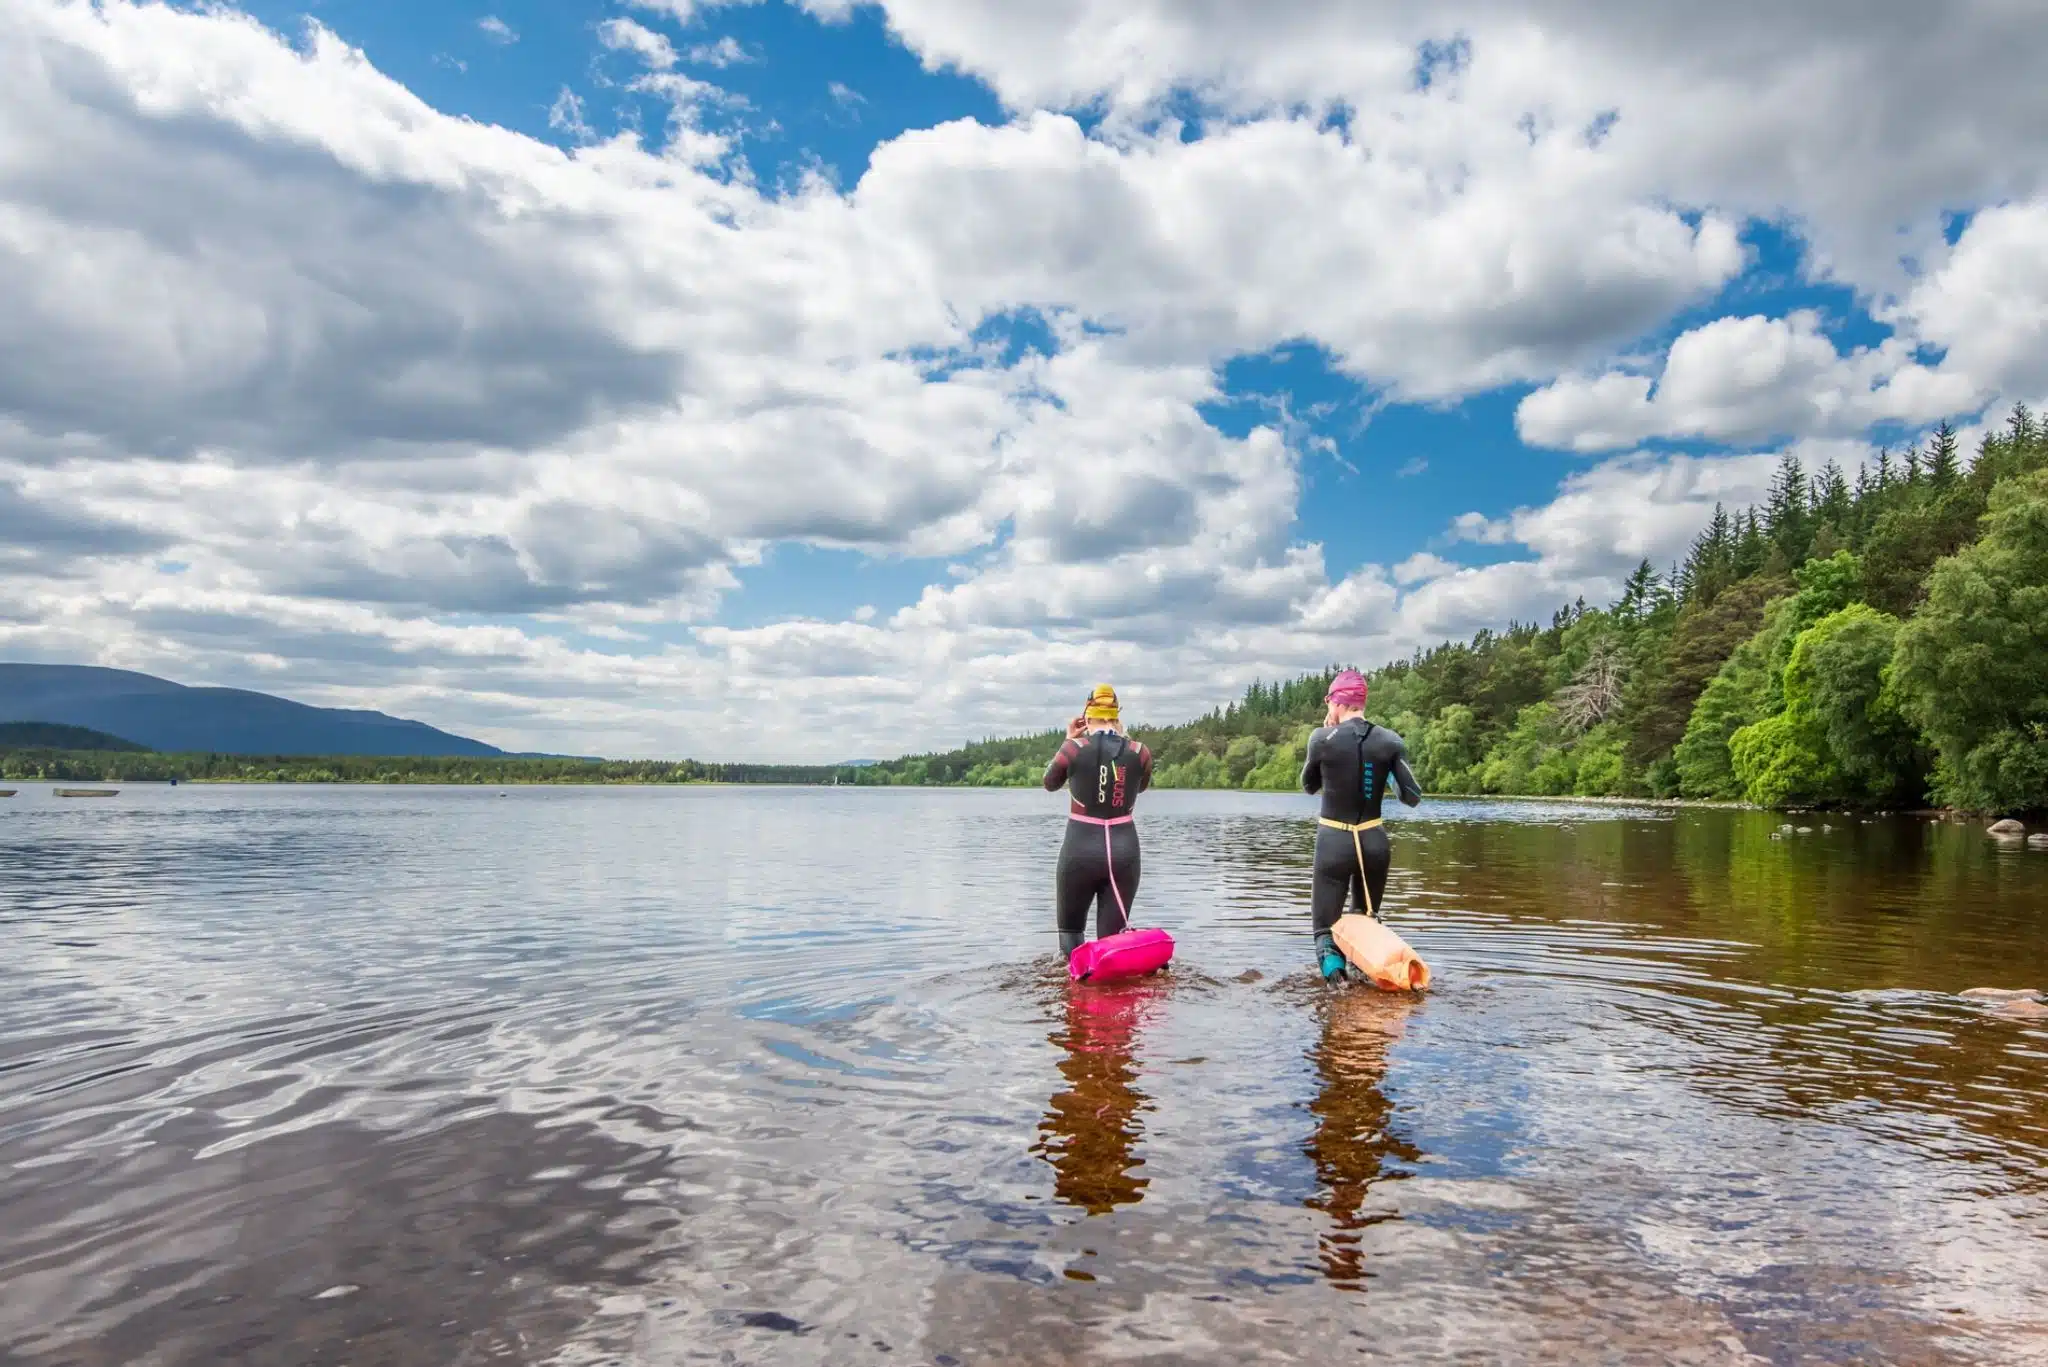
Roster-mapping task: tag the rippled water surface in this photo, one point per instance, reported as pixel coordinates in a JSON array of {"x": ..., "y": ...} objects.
[{"x": 431, "y": 1076}]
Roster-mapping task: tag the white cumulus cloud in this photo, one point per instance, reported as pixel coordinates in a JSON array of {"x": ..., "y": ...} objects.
[
  {"x": 623, "y": 35},
  {"x": 1749, "y": 379}
]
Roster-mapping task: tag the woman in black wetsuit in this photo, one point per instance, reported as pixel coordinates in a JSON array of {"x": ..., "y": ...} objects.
[
  {"x": 1103, "y": 772},
  {"x": 1350, "y": 762}
]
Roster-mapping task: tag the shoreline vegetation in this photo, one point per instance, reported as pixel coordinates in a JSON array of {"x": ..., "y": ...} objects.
[{"x": 1875, "y": 646}]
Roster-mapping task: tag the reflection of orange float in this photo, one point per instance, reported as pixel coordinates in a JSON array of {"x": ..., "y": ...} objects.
[{"x": 1378, "y": 953}]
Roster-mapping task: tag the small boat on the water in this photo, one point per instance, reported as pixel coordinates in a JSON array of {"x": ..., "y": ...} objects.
[
  {"x": 86, "y": 792},
  {"x": 8, "y": 792}
]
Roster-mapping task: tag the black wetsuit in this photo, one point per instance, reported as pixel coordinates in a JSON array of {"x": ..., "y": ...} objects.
[
  {"x": 1104, "y": 772},
  {"x": 1351, "y": 764}
]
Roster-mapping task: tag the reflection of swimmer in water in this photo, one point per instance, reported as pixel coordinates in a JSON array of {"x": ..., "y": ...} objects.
[
  {"x": 1353, "y": 1141},
  {"x": 1350, "y": 762},
  {"x": 1090, "y": 1131},
  {"x": 1103, "y": 772}
]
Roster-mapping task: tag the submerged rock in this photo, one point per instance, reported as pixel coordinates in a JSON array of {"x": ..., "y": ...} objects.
[
  {"x": 2007, "y": 827},
  {"x": 2023, "y": 1008},
  {"x": 2039, "y": 840},
  {"x": 2002, "y": 994}
]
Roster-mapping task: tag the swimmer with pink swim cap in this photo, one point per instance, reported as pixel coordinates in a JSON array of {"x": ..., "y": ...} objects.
[{"x": 1351, "y": 762}]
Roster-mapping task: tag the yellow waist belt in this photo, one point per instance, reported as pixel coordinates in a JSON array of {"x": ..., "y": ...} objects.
[
  {"x": 1348, "y": 826},
  {"x": 1364, "y": 883}
]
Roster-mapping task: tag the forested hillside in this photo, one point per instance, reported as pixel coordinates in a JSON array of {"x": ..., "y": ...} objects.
[{"x": 1879, "y": 643}]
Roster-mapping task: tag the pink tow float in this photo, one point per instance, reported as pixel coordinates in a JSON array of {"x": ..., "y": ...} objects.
[{"x": 1126, "y": 954}]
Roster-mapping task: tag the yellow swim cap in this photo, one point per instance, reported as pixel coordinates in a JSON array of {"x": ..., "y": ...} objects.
[{"x": 1101, "y": 704}]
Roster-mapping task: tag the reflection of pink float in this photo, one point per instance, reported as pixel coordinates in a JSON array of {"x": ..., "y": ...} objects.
[
  {"x": 1379, "y": 954},
  {"x": 1126, "y": 954}
]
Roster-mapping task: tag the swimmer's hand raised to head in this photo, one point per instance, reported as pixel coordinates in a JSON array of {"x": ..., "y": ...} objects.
[{"x": 1077, "y": 728}]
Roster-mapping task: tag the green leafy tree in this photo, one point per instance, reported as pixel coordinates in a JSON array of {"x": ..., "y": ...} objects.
[
  {"x": 1597, "y": 768},
  {"x": 1532, "y": 757},
  {"x": 1840, "y": 737},
  {"x": 1280, "y": 770},
  {"x": 1972, "y": 663},
  {"x": 1737, "y": 695},
  {"x": 1243, "y": 755},
  {"x": 1846, "y": 662},
  {"x": 1783, "y": 760},
  {"x": 1823, "y": 587},
  {"x": 1450, "y": 752}
]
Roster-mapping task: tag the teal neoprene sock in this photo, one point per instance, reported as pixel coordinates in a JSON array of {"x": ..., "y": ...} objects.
[{"x": 1330, "y": 960}]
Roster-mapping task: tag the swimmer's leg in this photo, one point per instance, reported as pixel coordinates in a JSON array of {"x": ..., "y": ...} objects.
[
  {"x": 1336, "y": 869},
  {"x": 1075, "y": 878}
]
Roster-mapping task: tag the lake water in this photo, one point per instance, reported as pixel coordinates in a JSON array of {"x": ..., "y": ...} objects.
[{"x": 570, "y": 1075}]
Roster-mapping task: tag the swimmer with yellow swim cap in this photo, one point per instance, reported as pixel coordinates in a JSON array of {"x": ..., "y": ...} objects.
[{"x": 1103, "y": 771}]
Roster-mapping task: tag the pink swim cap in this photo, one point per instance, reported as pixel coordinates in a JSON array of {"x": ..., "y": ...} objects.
[{"x": 1348, "y": 689}]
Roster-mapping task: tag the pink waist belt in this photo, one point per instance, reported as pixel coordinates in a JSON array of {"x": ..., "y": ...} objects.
[{"x": 1103, "y": 820}]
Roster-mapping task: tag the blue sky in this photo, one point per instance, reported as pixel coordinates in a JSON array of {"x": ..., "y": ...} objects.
[{"x": 672, "y": 365}]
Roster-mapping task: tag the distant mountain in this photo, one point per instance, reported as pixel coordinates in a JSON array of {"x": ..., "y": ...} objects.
[
  {"x": 50, "y": 735},
  {"x": 162, "y": 715}
]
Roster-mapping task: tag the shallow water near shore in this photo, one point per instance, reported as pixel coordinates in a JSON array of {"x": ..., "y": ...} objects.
[{"x": 585, "y": 1075}]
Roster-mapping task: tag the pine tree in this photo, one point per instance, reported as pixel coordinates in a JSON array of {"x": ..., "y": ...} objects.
[
  {"x": 1787, "y": 522},
  {"x": 1637, "y": 593},
  {"x": 1750, "y": 547},
  {"x": 1709, "y": 565},
  {"x": 2020, "y": 428},
  {"x": 1944, "y": 463},
  {"x": 1831, "y": 498},
  {"x": 1884, "y": 467},
  {"x": 1990, "y": 458}
]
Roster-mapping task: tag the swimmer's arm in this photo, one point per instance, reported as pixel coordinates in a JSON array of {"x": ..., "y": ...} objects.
[
  {"x": 1144, "y": 766},
  {"x": 1312, "y": 767},
  {"x": 1056, "y": 772},
  {"x": 1404, "y": 777}
]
